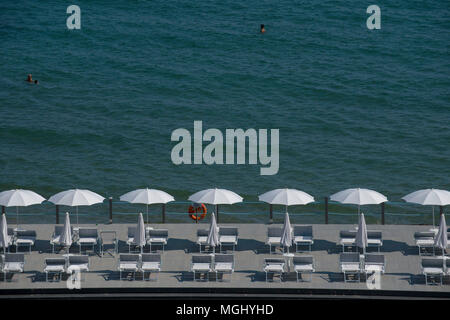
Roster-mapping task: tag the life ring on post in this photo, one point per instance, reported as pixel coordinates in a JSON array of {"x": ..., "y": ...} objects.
[{"x": 195, "y": 209}]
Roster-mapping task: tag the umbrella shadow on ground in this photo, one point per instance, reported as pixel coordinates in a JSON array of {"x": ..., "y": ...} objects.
[
  {"x": 397, "y": 246},
  {"x": 323, "y": 245},
  {"x": 249, "y": 245},
  {"x": 181, "y": 244},
  {"x": 331, "y": 276}
]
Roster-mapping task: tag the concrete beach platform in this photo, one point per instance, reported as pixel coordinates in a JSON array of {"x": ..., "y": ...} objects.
[{"x": 401, "y": 254}]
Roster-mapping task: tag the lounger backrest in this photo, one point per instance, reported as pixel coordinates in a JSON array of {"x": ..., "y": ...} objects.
[
  {"x": 129, "y": 257},
  {"x": 349, "y": 257},
  {"x": 202, "y": 233},
  {"x": 14, "y": 257},
  {"x": 151, "y": 257},
  {"x": 78, "y": 259},
  {"x": 131, "y": 232},
  {"x": 374, "y": 258},
  {"x": 306, "y": 231},
  {"x": 303, "y": 260},
  {"x": 274, "y": 261},
  {"x": 159, "y": 233},
  {"x": 374, "y": 235},
  {"x": 224, "y": 258},
  {"x": 201, "y": 259},
  {"x": 432, "y": 263},
  {"x": 423, "y": 234},
  {"x": 228, "y": 231},
  {"x": 274, "y": 231},
  {"x": 55, "y": 261},
  {"x": 26, "y": 233},
  {"x": 88, "y": 233},
  {"x": 347, "y": 234}
]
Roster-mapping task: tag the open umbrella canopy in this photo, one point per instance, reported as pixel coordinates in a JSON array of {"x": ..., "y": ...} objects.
[
  {"x": 65, "y": 238},
  {"x": 361, "y": 235},
  {"x": 76, "y": 197},
  {"x": 432, "y": 197},
  {"x": 358, "y": 196},
  {"x": 441, "y": 239},
  {"x": 20, "y": 198},
  {"x": 146, "y": 196},
  {"x": 287, "y": 197},
  {"x": 213, "y": 235},
  {"x": 4, "y": 239},
  {"x": 139, "y": 235},
  {"x": 286, "y": 234},
  {"x": 215, "y": 196}
]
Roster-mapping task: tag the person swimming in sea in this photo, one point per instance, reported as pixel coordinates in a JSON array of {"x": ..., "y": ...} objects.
[
  {"x": 262, "y": 30},
  {"x": 29, "y": 78}
]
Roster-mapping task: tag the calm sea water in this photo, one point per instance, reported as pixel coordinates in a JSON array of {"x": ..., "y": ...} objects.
[{"x": 354, "y": 107}]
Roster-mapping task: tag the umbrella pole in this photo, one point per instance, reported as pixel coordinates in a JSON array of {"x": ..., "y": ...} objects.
[
  {"x": 77, "y": 216},
  {"x": 17, "y": 217},
  {"x": 433, "y": 215},
  {"x": 147, "y": 213}
]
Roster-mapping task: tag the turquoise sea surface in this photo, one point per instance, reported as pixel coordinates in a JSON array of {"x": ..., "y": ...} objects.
[{"x": 355, "y": 107}]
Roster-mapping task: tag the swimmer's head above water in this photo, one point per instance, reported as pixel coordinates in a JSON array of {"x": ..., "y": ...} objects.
[
  {"x": 29, "y": 78},
  {"x": 262, "y": 30}
]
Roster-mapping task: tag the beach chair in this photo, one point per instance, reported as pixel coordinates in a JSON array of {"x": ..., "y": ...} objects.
[
  {"x": 150, "y": 262},
  {"x": 375, "y": 239},
  {"x": 201, "y": 264},
  {"x": 347, "y": 239},
  {"x": 432, "y": 268},
  {"x": 424, "y": 240},
  {"x": 350, "y": 264},
  {"x": 274, "y": 237},
  {"x": 77, "y": 264},
  {"x": 88, "y": 237},
  {"x": 303, "y": 236},
  {"x": 223, "y": 264},
  {"x": 108, "y": 239},
  {"x": 25, "y": 238},
  {"x": 228, "y": 236},
  {"x": 13, "y": 263},
  {"x": 55, "y": 267},
  {"x": 274, "y": 266},
  {"x": 55, "y": 239},
  {"x": 304, "y": 264},
  {"x": 130, "y": 239},
  {"x": 158, "y": 237},
  {"x": 128, "y": 263},
  {"x": 374, "y": 263},
  {"x": 202, "y": 237}
]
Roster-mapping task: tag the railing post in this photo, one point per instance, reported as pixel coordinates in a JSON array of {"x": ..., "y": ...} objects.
[
  {"x": 271, "y": 214},
  {"x": 57, "y": 214},
  {"x": 163, "y": 213},
  {"x": 110, "y": 209},
  {"x": 326, "y": 210},
  {"x": 382, "y": 213}
]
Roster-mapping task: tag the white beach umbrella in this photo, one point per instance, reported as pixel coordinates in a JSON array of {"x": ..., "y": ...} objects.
[
  {"x": 65, "y": 239},
  {"x": 19, "y": 198},
  {"x": 147, "y": 196},
  {"x": 358, "y": 196},
  {"x": 215, "y": 196},
  {"x": 361, "y": 235},
  {"x": 286, "y": 235},
  {"x": 287, "y": 197},
  {"x": 430, "y": 197},
  {"x": 4, "y": 233},
  {"x": 139, "y": 235},
  {"x": 213, "y": 235},
  {"x": 441, "y": 239},
  {"x": 75, "y": 198}
]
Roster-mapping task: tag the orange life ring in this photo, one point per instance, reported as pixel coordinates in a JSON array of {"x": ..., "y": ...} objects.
[{"x": 194, "y": 210}]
